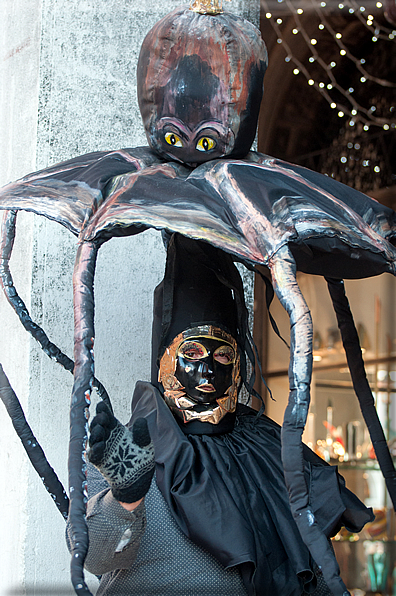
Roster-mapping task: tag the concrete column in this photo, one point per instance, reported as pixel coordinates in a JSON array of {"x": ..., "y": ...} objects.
[
  {"x": 20, "y": 24},
  {"x": 67, "y": 87}
]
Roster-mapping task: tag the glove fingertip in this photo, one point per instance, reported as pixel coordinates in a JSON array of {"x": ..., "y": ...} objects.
[
  {"x": 140, "y": 432},
  {"x": 102, "y": 407},
  {"x": 96, "y": 452},
  {"x": 97, "y": 434},
  {"x": 104, "y": 416}
]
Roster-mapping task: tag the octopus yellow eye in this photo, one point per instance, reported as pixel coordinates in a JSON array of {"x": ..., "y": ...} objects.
[
  {"x": 173, "y": 139},
  {"x": 205, "y": 144}
]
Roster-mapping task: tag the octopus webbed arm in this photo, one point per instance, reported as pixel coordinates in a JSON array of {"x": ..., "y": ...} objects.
[
  {"x": 163, "y": 197},
  {"x": 249, "y": 208},
  {"x": 307, "y": 207},
  {"x": 339, "y": 198},
  {"x": 71, "y": 192},
  {"x": 283, "y": 272}
]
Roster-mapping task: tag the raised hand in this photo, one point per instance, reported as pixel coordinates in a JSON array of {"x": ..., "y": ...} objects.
[{"x": 124, "y": 457}]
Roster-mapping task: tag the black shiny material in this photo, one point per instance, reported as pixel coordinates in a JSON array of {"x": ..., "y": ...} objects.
[
  {"x": 198, "y": 285},
  {"x": 204, "y": 378}
]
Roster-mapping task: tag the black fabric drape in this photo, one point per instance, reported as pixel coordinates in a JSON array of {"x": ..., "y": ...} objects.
[{"x": 227, "y": 494}]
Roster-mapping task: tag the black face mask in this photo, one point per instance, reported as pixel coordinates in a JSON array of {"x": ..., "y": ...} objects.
[{"x": 204, "y": 368}]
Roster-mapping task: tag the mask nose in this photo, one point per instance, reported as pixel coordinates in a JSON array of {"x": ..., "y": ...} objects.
[{"x": 207, "y": 369}]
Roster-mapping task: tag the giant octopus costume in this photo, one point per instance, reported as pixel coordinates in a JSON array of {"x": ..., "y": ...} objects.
[{"x": 200, "y": 80}]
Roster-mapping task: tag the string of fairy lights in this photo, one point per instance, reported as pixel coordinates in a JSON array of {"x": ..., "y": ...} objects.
[{"x": 346, "y": 103}]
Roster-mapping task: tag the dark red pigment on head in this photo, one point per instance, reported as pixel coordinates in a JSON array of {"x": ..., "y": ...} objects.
[{"x": 200, "y": 81}]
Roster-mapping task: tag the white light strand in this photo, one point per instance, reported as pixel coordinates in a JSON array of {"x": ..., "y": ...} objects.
[
  {"x": 375, "y": 28},
  {"x": 356, "y": 112},
  {"x": 347, "y": 53}
]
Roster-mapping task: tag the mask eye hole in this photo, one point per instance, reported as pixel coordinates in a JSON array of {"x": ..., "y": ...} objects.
[
  {"x": 205, "y": 144},
  {"x": 224, "y": 355},
  {"x": 192, "y": 350},
  {"x": 173, "y": 139}
]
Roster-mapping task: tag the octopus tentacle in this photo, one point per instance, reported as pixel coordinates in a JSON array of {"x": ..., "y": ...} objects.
[
  {"x": 7, "y": 242},
  {"x": 83, "y": 279},
  {"x": 35, "y": 453},
  {"x": 6, "y": 245},
  {"x": 283, "y": 273},
  {"x": 350, "y": 340}
]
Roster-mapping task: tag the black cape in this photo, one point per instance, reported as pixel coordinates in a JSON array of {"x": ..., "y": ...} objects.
[{"x": 227, "y": 494}]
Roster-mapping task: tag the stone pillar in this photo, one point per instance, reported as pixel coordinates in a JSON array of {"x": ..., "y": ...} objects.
[{"x": 68, "y": 88}]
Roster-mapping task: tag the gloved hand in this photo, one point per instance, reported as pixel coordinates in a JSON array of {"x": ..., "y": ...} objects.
[{"x": 124, "y": 457}]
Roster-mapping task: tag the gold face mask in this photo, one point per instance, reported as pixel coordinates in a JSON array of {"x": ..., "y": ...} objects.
[{"x": 200, "y": 374}]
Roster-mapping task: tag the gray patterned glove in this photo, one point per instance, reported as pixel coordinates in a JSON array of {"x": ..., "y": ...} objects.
[{"x": 125, "y": 458}]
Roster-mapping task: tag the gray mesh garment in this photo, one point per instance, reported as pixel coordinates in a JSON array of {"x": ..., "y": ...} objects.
[
  {"x": 153, "y": 560},
  {"x": 167, "y": 562}
]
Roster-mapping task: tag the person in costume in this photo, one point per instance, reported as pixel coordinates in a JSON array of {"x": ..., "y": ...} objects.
[
  {"x": 200, "y": 83},
  {"x": 218, "y": 515}
]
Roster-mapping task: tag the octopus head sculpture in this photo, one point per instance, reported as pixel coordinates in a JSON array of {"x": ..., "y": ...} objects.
[{"x": 200, "y": 84}]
